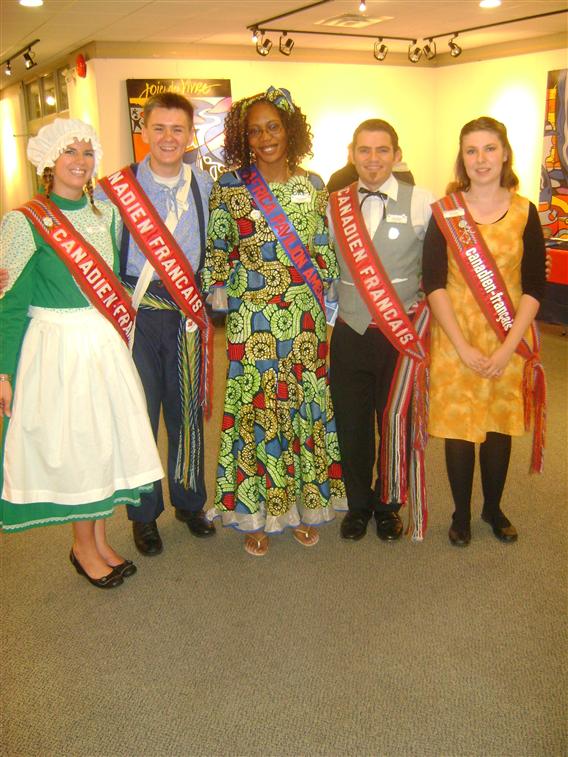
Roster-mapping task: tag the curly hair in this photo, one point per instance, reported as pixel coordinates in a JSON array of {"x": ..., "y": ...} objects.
[
  {"x": 237, "y": 149},
  {"x": 47, "y": 181},
  {"x": 509, "y": 179}
]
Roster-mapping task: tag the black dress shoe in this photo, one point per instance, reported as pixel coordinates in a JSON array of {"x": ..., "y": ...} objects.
[
  {"x": 460, "y": 537},
  {"x": 147, "y": 538},
  {"x": 354, "y": 525},
  {"x": 125, "y": 569},
  {"x": 502, "y": 526},
  {"x": 196, "y": 522},
  {"x": 110, "y": 581},
  {"x": 389, "y": 525}
]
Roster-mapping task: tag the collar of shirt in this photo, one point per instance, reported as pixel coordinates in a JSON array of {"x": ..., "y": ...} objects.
[
  {"x": 373, "y": 211},
  {"x": 389, "y": 187}
]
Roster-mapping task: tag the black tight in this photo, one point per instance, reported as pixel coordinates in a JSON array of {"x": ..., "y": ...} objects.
[{"x": 494, "y": 455}]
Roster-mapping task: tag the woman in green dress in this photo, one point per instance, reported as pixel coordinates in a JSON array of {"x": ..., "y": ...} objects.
[
  {"x": 77, "y": 439},
  {"x": 279, "y": 461}
]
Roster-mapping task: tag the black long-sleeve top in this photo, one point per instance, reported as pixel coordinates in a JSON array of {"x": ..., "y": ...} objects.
[{"x": 533, "y": 274}]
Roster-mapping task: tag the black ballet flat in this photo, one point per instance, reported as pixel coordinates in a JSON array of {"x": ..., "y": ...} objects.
[
  {"x": 125, "y": 569},
  {"x": 110, "y": 581}
]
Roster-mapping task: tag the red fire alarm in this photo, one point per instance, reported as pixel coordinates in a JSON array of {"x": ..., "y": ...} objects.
[{"x": 81, "y": 65}]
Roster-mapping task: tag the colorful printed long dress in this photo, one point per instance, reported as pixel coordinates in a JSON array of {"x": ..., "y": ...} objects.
[{"x": 279, "y": 455}]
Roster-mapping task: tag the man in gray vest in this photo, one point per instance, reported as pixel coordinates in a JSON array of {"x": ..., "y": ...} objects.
[{"x": 362, "y": 359}]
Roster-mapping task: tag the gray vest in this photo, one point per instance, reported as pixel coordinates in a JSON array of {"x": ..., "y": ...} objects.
[{"x": 401, "y": 258}]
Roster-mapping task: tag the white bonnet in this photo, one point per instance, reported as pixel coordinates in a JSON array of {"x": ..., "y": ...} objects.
[{"x": 51, "y": 140}]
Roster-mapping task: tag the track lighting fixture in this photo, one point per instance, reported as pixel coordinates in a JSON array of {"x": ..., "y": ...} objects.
[
  {"x": 263, "y": 46},
  {"x": 29, "y": 62},
  {"x": 380, "y": 51},
  {"x": 429, "y": 50},
  {"x": 8, "y": 69},
  {"x": 414, "y": 52},
  {"x": 455, "y": 49},
  {"x": 285, "y": 44}
]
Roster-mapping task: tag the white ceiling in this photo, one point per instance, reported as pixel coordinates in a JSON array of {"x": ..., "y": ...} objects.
[{"x": 170, "y": 28}]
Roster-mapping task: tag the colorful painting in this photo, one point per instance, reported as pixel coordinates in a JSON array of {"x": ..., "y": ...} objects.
[
  {"x": 553, "y": 200},
  {"x": 211, "y": 100}
]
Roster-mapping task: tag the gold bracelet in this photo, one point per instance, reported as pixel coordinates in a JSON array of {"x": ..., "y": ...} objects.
[{"x": 5, "y": 377}]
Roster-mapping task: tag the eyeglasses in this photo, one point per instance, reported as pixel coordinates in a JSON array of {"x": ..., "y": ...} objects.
[{"x": 272, "y": 128}]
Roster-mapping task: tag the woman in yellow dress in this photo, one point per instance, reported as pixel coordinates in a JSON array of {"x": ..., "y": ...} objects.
[{"x": 476, "y": 389}]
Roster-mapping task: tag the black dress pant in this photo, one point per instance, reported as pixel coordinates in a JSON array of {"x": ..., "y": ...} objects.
[
  {"x": 155, "y": 354},
  {"x": 361, "y": 371}
]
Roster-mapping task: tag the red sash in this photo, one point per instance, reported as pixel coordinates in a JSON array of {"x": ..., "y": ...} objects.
[
  {"x": 482, "y": 275},
  {"x": 91, "y": 273},
  {"x": 401, "y": 478},
  {"x": 369, "y": 275},
  {"x": 157, "y": 243}
]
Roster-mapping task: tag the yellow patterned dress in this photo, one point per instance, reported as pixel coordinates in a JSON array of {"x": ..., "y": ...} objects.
[{"x": 463, "y": 404}]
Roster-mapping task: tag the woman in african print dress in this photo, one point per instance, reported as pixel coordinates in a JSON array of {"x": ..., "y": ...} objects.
[{"x": 279, "y": 456}]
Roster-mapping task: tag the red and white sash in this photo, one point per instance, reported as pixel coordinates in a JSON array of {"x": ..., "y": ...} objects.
[
  {"x": 157, "y": 243},
  {"x": 369, "y": 275},
  {"x": 400, "y": 477},
  {"x": 92, "y": 274},
  {"x": 482, "y": 275}
]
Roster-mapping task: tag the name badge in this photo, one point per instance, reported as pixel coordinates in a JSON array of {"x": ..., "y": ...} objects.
[
  {"x": 455, "y": 213},
  {"x": 397, "y": 218},
  {"x": 300, "y": 197}
]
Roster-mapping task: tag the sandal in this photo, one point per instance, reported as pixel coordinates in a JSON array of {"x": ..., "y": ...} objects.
[
  {"x": 308, "y": 536},
  {"x": 256, "y": 544}
]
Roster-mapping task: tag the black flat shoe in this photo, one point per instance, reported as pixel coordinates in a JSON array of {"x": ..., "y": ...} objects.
[
  {"x": 110, "y": 581},
  {"x": 197, "y": 522},
  {"x": 147, "y": 538},
  {"x": 354, "y": 525},
  {"x": 460, "y": 537},
  {"x": 502, "y": 527},
  {"x": 389, "y": 525},
  {"x": 125, "y": 569}
]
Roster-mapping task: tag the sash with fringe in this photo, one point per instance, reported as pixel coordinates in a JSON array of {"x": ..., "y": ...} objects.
[
  {"x": 162, "y": 250},
  {"x": 92, "y": 274},
  {"x": 283, "y": 230},
  {"x": 401, "y": 479},
  {"x": 488, "y": 287}
]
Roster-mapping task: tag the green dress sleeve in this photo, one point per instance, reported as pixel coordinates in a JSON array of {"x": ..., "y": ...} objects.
[
  {"x": 222, "y": 242},
  {"x": 19, "y": 258}
]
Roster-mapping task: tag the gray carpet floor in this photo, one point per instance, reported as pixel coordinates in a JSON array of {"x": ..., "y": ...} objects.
[{"x": 344, "y": 649}]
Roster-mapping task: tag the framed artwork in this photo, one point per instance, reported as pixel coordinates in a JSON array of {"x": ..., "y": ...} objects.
[
  {"x": 211, "y": 100},
  {"x": 553, "y": 199}
]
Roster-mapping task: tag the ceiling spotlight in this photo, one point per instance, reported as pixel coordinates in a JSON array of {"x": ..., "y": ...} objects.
[
  {"x": 263, "y": 46},
  {"x": 429, "y": 50},
  {"x": 31, "y": 3},
  {"x": 254, "y": 36},
  {"x": 490, "y": 3},
  {"x": 455, "y": 49},
  {"x": 286, "y": 44},
  {"x": 381, "y": 50},
  {"x": 414, "y": 52},
  {"x": 29, "y": 62},
  {"x": 362, "y": 6},
  {"x": 8, "y": 69}
]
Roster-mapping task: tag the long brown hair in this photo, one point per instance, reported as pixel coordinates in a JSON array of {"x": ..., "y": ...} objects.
[{"x": 509, "y": 179}]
